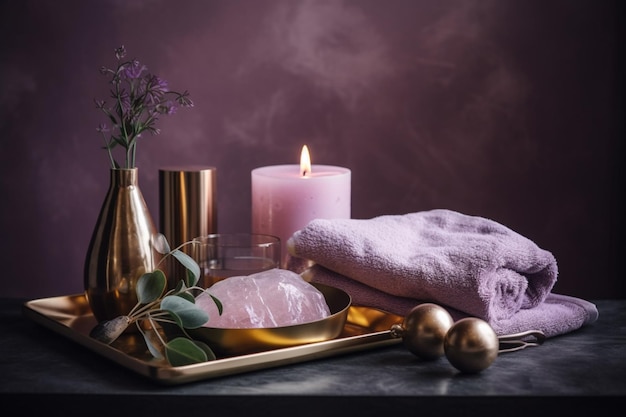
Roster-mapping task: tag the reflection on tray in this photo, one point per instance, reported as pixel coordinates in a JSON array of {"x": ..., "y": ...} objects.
[{"x": 365, "y": 328}]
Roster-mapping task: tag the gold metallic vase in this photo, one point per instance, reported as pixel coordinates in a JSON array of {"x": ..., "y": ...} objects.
[{"x": 121, "y": 249}]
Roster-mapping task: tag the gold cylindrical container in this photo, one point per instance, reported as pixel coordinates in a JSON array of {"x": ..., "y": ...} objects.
[{"x": 187, "y": 209}]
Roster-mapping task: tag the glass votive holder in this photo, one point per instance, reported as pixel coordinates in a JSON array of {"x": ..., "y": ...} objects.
[{"x": 224, "y": 255}]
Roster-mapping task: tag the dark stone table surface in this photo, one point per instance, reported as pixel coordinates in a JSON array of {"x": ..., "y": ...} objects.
[{"x": 581, "y": 372}]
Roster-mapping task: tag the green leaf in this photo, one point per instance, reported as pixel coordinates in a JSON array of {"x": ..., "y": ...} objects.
[
  {"x": 150, "y": 286},
  {"x": 190, "y": 278},
  {"x": 218, "y": 304},
  {"x": 190, "y": 315},
  {"x": 181, "y": 351},
  {"x": 176, "y": 318},
  {"x": 152, "y": 342},
  {"x": 189, "y": 263},
  {"x": 207, "y": 350},
  {"x": 187, "y": 297},
  {"x": 160, "y": 244},
  {"x": 180, "y": 287}
]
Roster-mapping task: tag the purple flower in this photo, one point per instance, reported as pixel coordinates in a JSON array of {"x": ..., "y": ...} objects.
[
  {"x": 153, "y": 130},
  {"x": 133, "y": 70},
  {"x": 184, "y": 100},
  {"x": 139, "y": 99},
  {"x": 171, "y": 109},
  {"x": 155, "y": 89}
]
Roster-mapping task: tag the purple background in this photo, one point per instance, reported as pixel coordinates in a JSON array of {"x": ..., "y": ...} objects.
[{"x": 507, "y": 109}]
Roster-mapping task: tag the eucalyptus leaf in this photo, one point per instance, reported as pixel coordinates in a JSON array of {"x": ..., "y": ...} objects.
[
  {"x": 218, "y": 303},
  {"x": 187, "y": 297},
  {"x": 160, "y": 244},
  {"x": 152, "y": 342},
  {"x": 189, "y": 263},
  {"x": 190, "y": 278},
  {"x": 176, "y": 318},
  {"x": 190, "y": 315},
  {"x": 207, "y": 350},
  {"x": 182, "y": 351},
  {"x": 150, "y": 286},
  {"x": 180, "y": 287}
]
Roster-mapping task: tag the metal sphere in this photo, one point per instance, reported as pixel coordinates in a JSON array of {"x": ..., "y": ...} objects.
[
  {"x": 471, "y": 345},
  {"x": 425, "y": 328}
]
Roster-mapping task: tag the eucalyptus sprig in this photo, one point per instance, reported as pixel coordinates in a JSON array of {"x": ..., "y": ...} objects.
[{"x": 174, "y": 307}]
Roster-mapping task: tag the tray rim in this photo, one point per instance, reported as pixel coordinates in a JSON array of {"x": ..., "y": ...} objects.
[{"x": 168, "y": 375}]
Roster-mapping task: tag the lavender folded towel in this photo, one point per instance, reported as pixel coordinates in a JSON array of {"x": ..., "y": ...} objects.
[
  {"x": 472, "y": 265},
  {"x": 557, "y": 314}
]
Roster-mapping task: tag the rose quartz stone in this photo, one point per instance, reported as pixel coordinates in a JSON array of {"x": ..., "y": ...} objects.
[{"x": 273, "y": 298}]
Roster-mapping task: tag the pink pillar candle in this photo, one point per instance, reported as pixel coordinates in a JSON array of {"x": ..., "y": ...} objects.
[{"x": 284, "y": 199}]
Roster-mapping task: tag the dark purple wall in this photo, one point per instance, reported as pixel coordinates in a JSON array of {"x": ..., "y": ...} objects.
[{"x": 507, "y": 109}]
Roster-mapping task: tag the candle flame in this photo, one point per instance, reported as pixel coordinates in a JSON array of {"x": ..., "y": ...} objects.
[{"x": 305, "y": 162}]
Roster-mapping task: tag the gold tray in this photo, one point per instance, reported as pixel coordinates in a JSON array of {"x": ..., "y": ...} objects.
[{"x": 71, "y": 316}]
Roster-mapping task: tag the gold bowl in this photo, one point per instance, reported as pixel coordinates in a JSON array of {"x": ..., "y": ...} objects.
[{"x": 235, "y": 342}]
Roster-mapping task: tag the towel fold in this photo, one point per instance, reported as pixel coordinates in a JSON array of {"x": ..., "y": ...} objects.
[
  {"x": 471, "y": 265},
  {"x": 557, "y": 314}
]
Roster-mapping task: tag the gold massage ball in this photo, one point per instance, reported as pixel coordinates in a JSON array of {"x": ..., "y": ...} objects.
[
  {"x": 425, "y": 328},
  {"x": 471, "y": 345}
]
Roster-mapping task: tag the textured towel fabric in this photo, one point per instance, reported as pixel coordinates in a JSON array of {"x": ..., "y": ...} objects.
[
  {"x": 557, "y": 314},
  {"x": 472, "y": 265}
]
